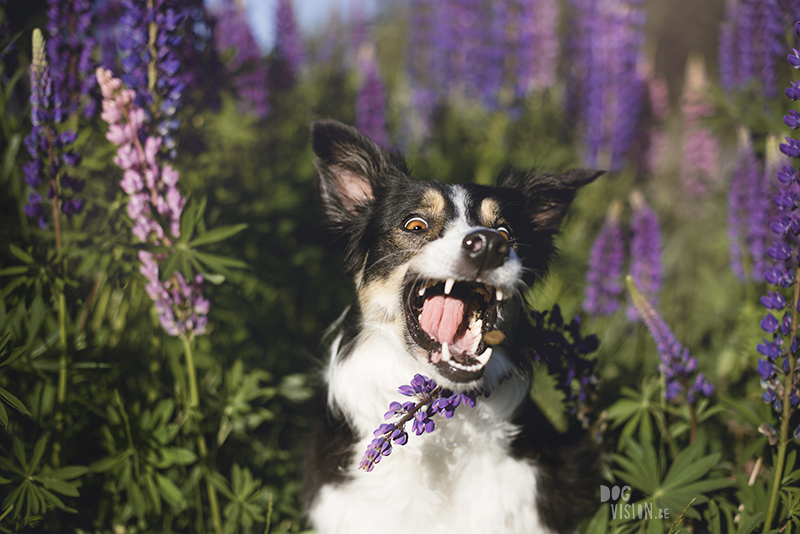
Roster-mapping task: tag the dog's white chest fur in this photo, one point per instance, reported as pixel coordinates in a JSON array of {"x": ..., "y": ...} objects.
[{"x": 460, "y": 478}]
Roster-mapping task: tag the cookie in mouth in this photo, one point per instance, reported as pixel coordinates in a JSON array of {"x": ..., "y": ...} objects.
[{"x": 449, "y": 320}]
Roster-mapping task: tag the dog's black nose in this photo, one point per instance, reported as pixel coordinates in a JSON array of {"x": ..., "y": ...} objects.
[{"x": 486, "y": 249}]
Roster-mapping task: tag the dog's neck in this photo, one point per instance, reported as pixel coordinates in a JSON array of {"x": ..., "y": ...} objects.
[{"x": 362, "y": 384}]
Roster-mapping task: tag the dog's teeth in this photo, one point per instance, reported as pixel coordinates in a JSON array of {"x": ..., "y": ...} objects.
[
  {"x": 421, "y": 291},
  {"x": 448, "y": 286},
  {"x": 445, "y": 352},
  {"x": 498, "y": 293},
  {"x": 419, "y": 318},
  {"x": 484, "y": 358},
  {"x": 475, "y": 328}
]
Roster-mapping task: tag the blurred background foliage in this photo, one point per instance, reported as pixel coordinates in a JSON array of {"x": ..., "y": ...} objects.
[{"x": 120, "y": 453}]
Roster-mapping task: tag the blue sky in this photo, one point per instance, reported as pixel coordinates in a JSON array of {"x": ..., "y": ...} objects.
[{"x": 311, "y": 15}]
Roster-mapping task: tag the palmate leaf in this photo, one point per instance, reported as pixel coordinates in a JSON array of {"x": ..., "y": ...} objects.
[
  {"x": 634, "y": 410},
  {"x": 685, "y": 479}
]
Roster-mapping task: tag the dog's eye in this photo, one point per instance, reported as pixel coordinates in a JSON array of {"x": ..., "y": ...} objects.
[
  {"x": 416, "y": 224},
  {"x": 504, "y": 232}
]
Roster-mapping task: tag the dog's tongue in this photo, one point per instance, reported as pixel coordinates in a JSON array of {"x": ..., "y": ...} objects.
[{"x": 441, "y": 317}]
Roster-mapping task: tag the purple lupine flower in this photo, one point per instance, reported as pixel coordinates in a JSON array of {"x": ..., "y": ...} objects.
[
  {"x": 563, "y": 349},
  {"x": 700, "y": 161},
  {"x": 646, "y": 266},
  {"x": 443, "y": 46},
  {"x": 289, "y": 54},
  {"x": 580, "y": 45},
  {"x": 470, "y": 41},
  {"x": 430, "y": 400},
  {"x": 748, "y": 218},
  {"x": 658, "y": 97},
  {"x": 677, "y": 365},
  {"x": 493, "y": 54},
  {"x": 612, "y": 85},
  {"x": 235, "y": 43},
  {"x": 421, "y": 61},
  {"x": 371, "y": 103},
  {"x": 750, "y": 43},
  {"x": 109, "y": 32},
  {"x": 70, "y": 52},
  {"x": 49, "y": 149},
  {"x": 538, "y": 45},
  {"x": 604, "y": 287},
  {"x": 154, "y": 200},
  {"x": 156, "y": 79},
  {"x": 777, "y": 323},
  {"x": 359, "y": 27}
]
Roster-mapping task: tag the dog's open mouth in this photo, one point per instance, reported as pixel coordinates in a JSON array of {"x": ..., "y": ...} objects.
[{"x": 449, "y": 320}]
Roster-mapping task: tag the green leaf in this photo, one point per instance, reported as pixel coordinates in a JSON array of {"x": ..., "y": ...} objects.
[
  {"x": 152, "y": 490},
  {"x": 136, "y": 498},
  {"x": 10, "y": 155},
  {"x": 14, "y": 402},
  {"x": 38, "y": 452},
  {"x": 19, "y": 452},
  {"x": 14, "y": 270},
  {"x": 217, "y": 234},
  {"x": 219, "y": 263},
  {"x": 58, "y": 503},
  {"x": 747, "y": 526},
  {"x": 215, "y": 279},
  {"x": 69, "y": 472},
  {"x": 174, "y": 455},
  {"x": 218, "y": 481},
  {"x": 3, "y": 416},
  {"x": 12, "y": 285},
  {"x": 108, "y": 463},
  {"x": 20, "y": 254},
  {"x": 171, "y": 493},
  {"x": 188, "y": 222},
  {"x": 168, "y": 266},
  {"x": 64, "y": 488}
]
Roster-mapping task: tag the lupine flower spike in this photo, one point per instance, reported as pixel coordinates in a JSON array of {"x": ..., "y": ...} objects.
[
  {"x": 154, "y": 200},
  {"x": 371, "y": 104},
  {"x": 289, "y": 53},
  {"x": 430, "y": 399},
  {"x": 604, "y": 287},
  {"x": 50, "y": 149},
  {"x": 70, "y": 51},
  {"x": 646, "y": 265},
  {"x": 700, "y": 148},
  {"x": 563, "y": 349},
  {"x": 777, "y": 366},
  {"x": 235, "y": 42},
  {"x": 677, "y": 365}
]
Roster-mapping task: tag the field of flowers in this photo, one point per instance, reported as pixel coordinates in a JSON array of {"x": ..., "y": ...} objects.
[{"x": 165, "y": 278}]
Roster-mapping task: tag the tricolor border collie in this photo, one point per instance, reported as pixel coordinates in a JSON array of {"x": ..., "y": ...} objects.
[{"x": 436, "y": 268}]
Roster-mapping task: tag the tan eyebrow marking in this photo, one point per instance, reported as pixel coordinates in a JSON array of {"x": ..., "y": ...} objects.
[
  {"x": 434, "y": 201},
  {"x": 490, "y": 209}
]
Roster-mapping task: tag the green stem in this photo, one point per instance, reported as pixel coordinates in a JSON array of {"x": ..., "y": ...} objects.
[
  {"x": 194, "y": 404},
  {"x": 787, "y": 413}
]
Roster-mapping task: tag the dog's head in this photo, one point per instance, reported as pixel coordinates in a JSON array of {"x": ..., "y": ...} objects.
[{"x": 439, "y": 266}]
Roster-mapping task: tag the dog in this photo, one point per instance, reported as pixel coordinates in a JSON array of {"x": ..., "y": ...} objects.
[{"x": 437, "y": 267}]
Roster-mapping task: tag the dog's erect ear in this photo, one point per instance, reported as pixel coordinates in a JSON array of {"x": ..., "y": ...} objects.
[
  {"x": 547, "y": 195},
  {"x": 351, "y": 168}
]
